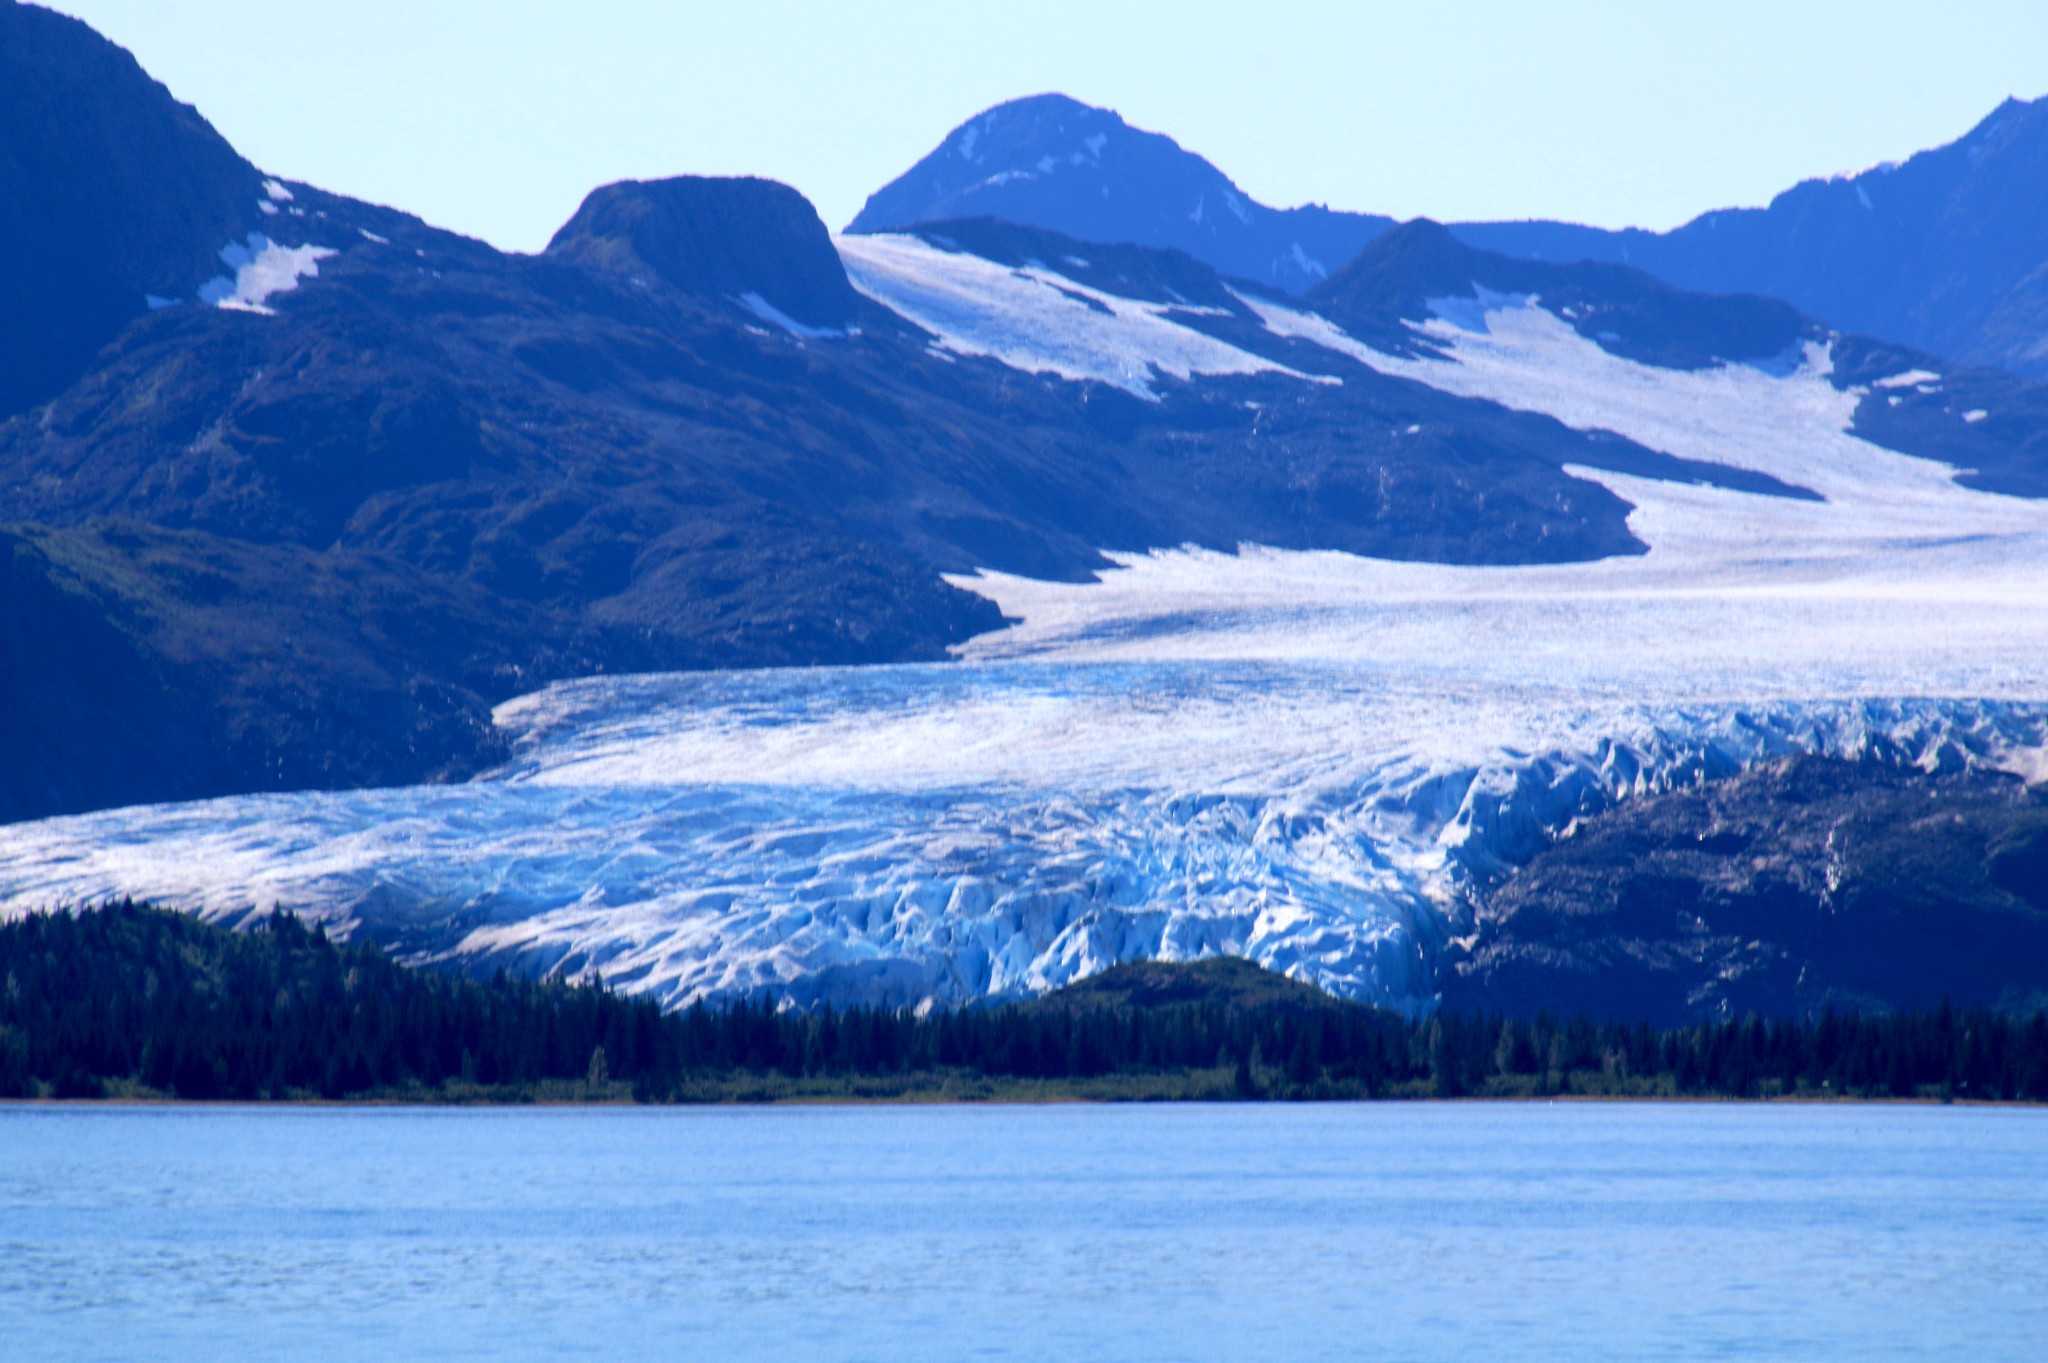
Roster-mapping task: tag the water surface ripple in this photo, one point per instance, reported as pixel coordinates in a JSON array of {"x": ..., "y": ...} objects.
[{"x": 1123, "y": 1233}]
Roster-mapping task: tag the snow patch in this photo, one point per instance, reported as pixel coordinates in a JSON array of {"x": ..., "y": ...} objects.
[
  {"x": 1975, "y": 415},
  {"x": 1912, "y": 378},
  {"x": 768, "y": 312},
  {"x": 262, "y": 269},
  {"x": 276, "y": 190},
  {"x": 1307, "y": 263}
]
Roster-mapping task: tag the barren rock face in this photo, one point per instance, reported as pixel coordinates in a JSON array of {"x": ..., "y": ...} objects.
[{"x": 1789, "y": 889}]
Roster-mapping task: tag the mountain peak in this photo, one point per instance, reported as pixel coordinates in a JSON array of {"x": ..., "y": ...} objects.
[
  {"x": 1035, "y": 119},
  {"x": 743, "y": 238},
  {"x": 1051, "y": 161}
]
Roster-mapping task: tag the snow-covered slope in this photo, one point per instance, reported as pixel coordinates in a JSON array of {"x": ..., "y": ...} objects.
[
  {"x": 1308, "y": 758},
  {"x": 1039, "y": 320}
]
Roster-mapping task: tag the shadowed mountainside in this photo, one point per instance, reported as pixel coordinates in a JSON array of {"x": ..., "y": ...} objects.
[{"x": 1784, "y": 891}]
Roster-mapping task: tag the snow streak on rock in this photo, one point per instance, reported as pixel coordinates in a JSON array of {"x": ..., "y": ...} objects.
[{"x": 1037, "y": 320}]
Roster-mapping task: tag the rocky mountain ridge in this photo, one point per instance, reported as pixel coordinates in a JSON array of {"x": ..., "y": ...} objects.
[
  {"x": 1946, "y": 252},
  {"x": 1053, "y": 162}
]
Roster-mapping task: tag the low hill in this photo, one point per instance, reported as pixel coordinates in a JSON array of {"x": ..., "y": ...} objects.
[{"x": 1220, "y": 982}]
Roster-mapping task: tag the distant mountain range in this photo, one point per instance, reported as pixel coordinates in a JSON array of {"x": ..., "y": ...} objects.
[
  {"x": 1077, "y": 562},
  {"x": 1947, "y": 252}
]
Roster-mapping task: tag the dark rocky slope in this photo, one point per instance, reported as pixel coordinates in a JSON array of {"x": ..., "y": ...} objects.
[
  {"x": 721, "y": 238},
  {"x": 1782, "y": 892},
  {"x": 110, "y": 190}
]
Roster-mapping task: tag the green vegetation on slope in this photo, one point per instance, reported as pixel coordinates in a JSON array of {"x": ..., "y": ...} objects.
[{"x": 132, "y": 1001}]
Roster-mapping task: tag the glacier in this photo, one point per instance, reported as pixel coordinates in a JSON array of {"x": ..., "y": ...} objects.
[{"x": 1315, "y": 760}]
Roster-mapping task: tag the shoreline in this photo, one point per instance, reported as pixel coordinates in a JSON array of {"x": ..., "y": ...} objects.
[{"x": 1074, "y": 1100}]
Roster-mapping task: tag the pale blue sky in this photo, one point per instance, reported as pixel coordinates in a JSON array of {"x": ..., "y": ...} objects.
[{"x": 494, "y": 117}]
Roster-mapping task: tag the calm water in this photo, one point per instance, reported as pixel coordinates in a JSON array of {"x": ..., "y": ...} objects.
[{"x": 1072, "y": 1233}]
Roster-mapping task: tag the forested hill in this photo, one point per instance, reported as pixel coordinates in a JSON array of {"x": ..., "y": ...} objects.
[{"x": 132, "y": 1001}]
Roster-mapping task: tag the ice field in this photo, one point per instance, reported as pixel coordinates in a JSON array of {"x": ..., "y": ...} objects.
[{"x": 1311, "y": 759}]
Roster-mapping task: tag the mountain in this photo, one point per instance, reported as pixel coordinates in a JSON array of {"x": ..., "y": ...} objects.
[
  {"x": 949, "y": 614},
  {"x": 369, "y": 478},
  {"x": 1947, "y": 252},
  {"x": 111, "y": 193},
  {"x": 1050, "y": 161},
  {"x": 753, "y": 240}
]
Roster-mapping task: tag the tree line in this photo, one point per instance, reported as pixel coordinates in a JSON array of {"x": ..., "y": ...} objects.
[{"x": 130, "y": 1000}]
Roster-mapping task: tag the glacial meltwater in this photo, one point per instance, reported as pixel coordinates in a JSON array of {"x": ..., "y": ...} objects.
[{"x": 1462, "y": 1231}]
